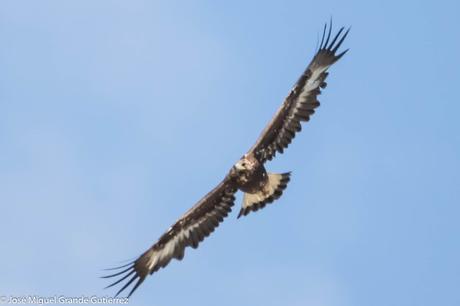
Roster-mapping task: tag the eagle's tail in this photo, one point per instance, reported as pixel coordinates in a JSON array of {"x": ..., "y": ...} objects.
[{"x": 272, "y": 191}]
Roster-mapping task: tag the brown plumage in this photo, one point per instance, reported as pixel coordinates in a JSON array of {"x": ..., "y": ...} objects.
[{"x": 248, "y": 174}]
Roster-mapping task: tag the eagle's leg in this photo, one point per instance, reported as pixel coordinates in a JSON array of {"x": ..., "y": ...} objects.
[{"x": 270, "y": 191}]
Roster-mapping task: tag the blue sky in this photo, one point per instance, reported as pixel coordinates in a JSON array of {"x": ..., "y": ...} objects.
[{"x": 117, "y": 116}]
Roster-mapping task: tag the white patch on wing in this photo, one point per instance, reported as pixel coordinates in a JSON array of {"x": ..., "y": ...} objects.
[
  {"x": 153, "y": 260},
  {"x": 167, "y": 252},
  {"x": 313, "y": 82},
  {"x": 157, "y": 256}
]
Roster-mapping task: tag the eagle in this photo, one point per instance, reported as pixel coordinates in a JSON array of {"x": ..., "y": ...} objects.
[{"x": 248, "y": 174}]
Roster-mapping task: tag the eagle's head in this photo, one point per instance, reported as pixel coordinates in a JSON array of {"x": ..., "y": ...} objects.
[{"x": 244, "y": 166}]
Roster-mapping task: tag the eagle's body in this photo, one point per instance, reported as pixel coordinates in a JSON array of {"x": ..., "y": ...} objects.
[
  {"x": 259, "y": 186},
  {"x": 248, "y": 174}
]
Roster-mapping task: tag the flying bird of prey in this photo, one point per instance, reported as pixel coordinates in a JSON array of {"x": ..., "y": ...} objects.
[{"x": 248, "y": 174}]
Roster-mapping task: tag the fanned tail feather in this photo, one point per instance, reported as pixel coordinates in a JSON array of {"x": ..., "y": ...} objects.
[{"x": 272, "y": 191}]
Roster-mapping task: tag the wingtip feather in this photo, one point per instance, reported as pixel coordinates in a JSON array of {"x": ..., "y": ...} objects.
[
  {"x": 118, "y": 273},
  {"x": 126, "y": 285},
  {"x": 121, "y": 279},
  {"x": 338, "y": 56},
  {"x": 337, "y": 46},
  {"x": 135, "y": 286}
]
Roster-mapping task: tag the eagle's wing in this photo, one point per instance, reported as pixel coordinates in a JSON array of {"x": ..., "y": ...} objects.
[
  {"x": 189, "y": 230},
  {"x": 301, "y": 102}
]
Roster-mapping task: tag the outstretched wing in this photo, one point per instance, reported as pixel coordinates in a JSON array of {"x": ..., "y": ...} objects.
[
  {"x": 302, "y": 101},
  {"x": 189, "y": 230}
]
